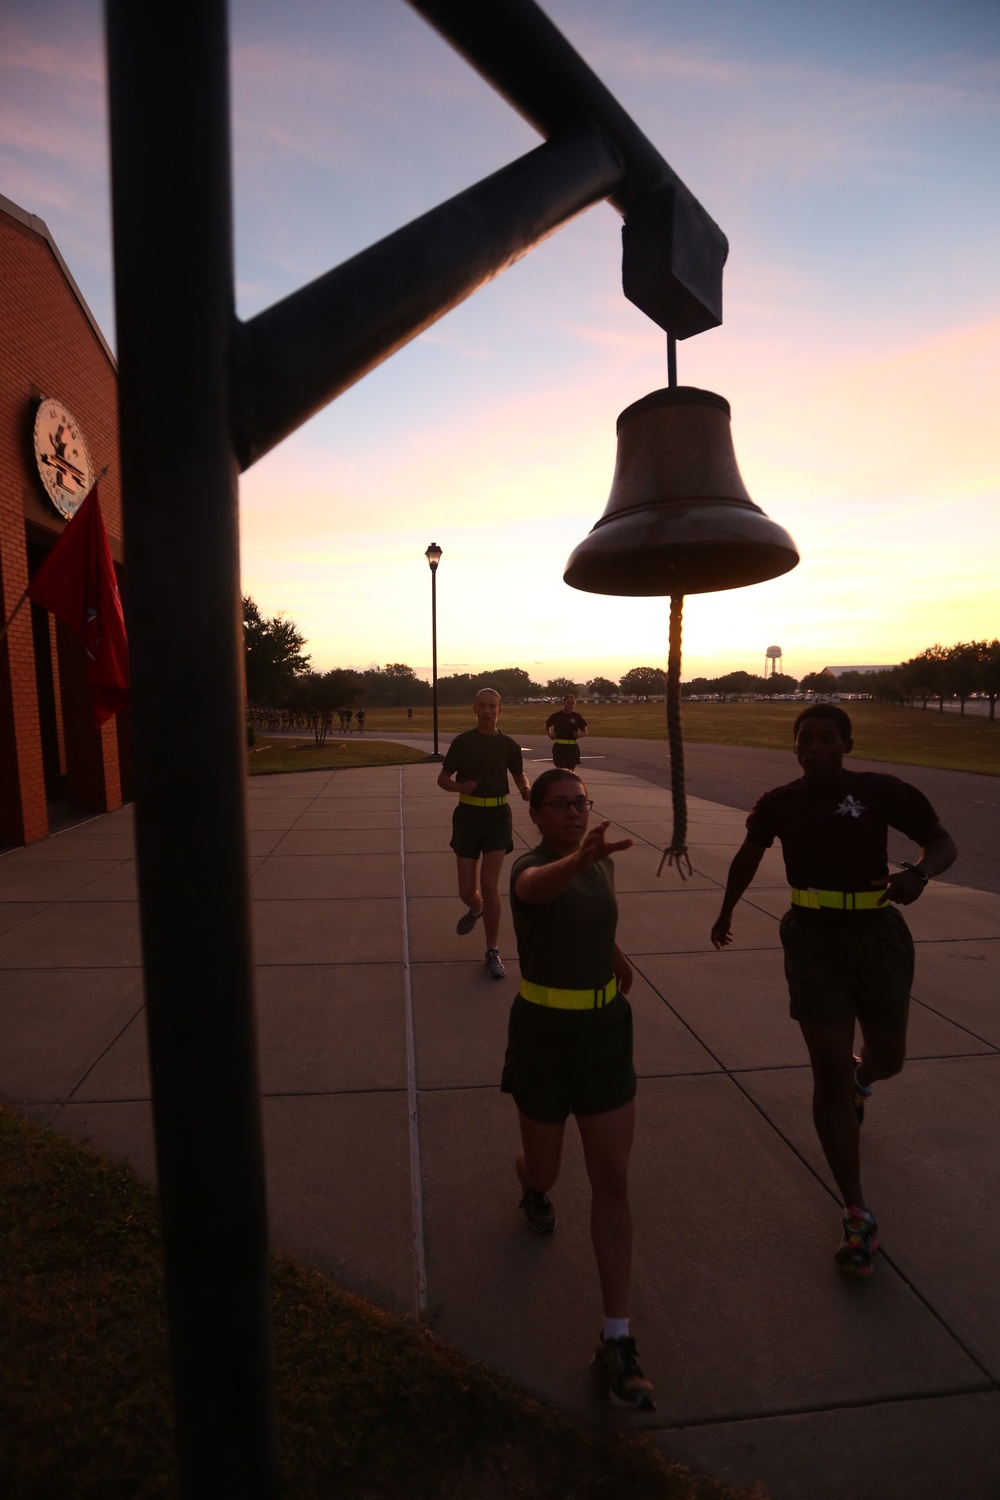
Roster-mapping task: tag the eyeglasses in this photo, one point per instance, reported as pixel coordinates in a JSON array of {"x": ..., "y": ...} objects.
[{"x": 563, "y": 804}]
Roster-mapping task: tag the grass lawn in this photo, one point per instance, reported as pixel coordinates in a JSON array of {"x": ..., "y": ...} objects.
[
  {"x": 908, "y": 736},
  {"x": 368, "y": 1405},
  {"x": 271, "y": 757}
]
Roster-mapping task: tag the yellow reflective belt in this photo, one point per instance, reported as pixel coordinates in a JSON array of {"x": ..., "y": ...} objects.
[
  {"x": 837, "y": 900},
  {"x": 564, "y": 742},
  {"x": 482, "y": 801},
  {"x": 543, "y": 994}
]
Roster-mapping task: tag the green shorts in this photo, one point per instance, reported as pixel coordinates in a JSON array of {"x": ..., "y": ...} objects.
[
  {"x": 566, "y": 757},
  {"x": 481, "y": 830},
  {"x": 844, "y": 969},
  {"x": 563, "y": 1062}
]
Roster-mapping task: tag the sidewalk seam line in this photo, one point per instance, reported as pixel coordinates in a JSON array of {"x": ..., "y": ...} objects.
[{"x": 416, "y": 1170}]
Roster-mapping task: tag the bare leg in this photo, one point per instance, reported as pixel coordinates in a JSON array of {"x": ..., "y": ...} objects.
[
  {"x": 492, "y": 865},
  {"x": 831, "y": 1052},
  {"x": 468, "y": 883},
  {"x": 537, "y": 1163},
  {"x": 607, "y": 1145},
  {"x": 882, "y": 1054}
]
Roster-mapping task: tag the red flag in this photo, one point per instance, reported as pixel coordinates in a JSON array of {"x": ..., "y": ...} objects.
[{"x": 76, "y": 582}]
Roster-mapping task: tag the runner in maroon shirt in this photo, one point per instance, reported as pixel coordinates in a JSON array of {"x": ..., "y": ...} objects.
[{"x": 848, "y": 952}]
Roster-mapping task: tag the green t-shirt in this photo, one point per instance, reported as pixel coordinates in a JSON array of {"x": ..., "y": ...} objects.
[
  {"x": 568, "y": 943},
  {"x": 485, "y": 759}
]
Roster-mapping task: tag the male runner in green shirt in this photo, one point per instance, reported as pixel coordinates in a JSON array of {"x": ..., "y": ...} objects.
[
  {"x": 475, "y": 770},
  {"x": 564, "y": 728},
  {"x": 848, "y": 951}
]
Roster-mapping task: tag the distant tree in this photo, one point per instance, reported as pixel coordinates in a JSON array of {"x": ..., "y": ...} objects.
[
  {"x": 395, "y": 686},
  {"x": 347, "y": 688},
  {"x": 779, "y": 683},
  {"x": 928, "y": 675},
  {"x": 311, "y": 696},
  {"x": 559, "y": 687},
  {"x": 886, "y": 686},
  {"x": 273, "y": 655},
  {"x": 602, "y": 687},
  {"x": 699, "y": 686},
  {"x": 962, "y": 670},
  {"x": 854, "y": 682},
  {"x": 819, "y": 682},
  {"x": 739, "y": 683},
  {"x": 512, "y": 683},
  {"x": 644, "y": 682},
  {"x": 989, "y": 672}
]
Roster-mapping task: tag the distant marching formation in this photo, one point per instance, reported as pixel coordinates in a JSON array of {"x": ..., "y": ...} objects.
[{"x": 848, "y": 961}]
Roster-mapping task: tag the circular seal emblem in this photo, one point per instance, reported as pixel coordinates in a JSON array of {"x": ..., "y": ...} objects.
[{"x": 61, "y": 455}]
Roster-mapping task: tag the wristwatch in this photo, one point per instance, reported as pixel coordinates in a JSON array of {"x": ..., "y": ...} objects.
[{"x": 921, "y": 876}]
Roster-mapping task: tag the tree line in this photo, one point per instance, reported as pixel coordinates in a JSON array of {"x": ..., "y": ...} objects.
[
  {"x": 941, "y": 673},
  {"x": 280, "y": 679}
]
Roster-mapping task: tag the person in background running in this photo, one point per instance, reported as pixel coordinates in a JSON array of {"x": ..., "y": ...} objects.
[
  {"x": 475, "y": 770},
  {"x": 564, "y": 728},
  {"x": 848, "y": 951},
  {"x": 569, "y": 1050}
]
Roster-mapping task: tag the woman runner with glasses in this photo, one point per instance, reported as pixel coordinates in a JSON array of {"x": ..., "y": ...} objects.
[{"x": 569, "y": 1049}]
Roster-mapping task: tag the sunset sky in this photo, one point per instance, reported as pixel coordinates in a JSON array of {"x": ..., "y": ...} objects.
[{"x": 850, "y": 152}]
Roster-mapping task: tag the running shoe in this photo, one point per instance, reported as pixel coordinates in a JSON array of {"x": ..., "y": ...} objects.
[
  {"x": 466, "y": 923},
  {"x": 617, "y": 1371},
  {"x": 538, "y": 1211},
  {"x": 854, "y": 1255},
  {"x": 494, "y": 967},
  {"x": 860, "y": 1094}
]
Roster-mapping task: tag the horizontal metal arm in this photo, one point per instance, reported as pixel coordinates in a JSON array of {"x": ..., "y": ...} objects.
[
  {"x": 292, "y": 359},
  {"x": 674, "y": 252}
]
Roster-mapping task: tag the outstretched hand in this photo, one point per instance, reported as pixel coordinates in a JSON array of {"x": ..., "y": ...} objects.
[{"x": 596, "y": 846}]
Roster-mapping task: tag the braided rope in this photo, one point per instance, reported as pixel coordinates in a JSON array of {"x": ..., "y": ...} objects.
[{"x": 677, "y": 852}]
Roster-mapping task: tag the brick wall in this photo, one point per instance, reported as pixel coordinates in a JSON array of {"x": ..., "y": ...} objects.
[{"x": 48, "y": 347}]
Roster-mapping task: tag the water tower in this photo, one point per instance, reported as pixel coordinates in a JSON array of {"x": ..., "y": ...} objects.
[{"x": 772, "y": 655}]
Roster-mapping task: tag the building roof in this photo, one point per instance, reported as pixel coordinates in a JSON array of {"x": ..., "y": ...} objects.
[
  {"x": 839, "y": 671},
  {"x": 39, "y": 227}
]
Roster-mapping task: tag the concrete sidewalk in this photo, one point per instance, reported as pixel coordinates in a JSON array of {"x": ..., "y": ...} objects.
[{"x": 767, "y": 1364}]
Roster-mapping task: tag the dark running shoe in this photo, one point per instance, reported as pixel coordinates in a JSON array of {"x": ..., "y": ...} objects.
[
  {"x": 538, "y": 1211},
  {"x": 854, "y": 1254},
  {"x": 617, "y": 1371},
  {"x": 859, "y": 1093},
  {"x": 494, "y": 967},
  {"x": 466, "y": 923}
]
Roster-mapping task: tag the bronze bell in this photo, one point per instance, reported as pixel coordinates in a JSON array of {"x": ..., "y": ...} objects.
[{"x": 678, "y": 519}]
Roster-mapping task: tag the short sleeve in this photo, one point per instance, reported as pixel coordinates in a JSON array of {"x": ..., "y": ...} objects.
[
  {"x": 451, "y": 760},
  {"x": 761, "y": 827},
  {"x": 515, "y": 760},
  {"x": 909, "y": 810}
]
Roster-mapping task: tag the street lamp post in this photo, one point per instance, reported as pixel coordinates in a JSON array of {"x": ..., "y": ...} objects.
[{"x": 433, "y": 556}]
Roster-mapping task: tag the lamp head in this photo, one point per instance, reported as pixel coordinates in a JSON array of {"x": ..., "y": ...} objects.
[{"x": 433, "y": 556}]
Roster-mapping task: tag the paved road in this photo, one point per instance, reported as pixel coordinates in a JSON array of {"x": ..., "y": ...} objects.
[{"x": 967, "y": 804}]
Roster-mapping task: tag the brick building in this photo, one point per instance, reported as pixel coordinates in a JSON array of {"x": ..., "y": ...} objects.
[{"x": 53, "y": 763}]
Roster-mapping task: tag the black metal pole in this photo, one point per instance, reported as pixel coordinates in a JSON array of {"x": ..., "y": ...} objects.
[
  {"x": 175, "y": 319},
  {"x": 434, "y": 658}
]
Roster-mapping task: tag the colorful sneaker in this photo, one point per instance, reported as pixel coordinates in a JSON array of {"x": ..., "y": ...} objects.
[
  {"x": 465, "y": 924},
  {"x": 538, "y": 1211},
  {"x": 494, "y": 967},
  {"x": 617, "y": 1371},
  {"x": 860, "y": 1094},
  {"x": 854, "y": 1256}
]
